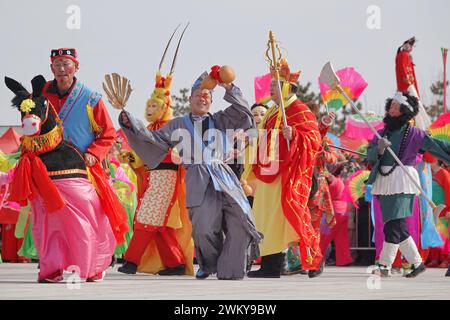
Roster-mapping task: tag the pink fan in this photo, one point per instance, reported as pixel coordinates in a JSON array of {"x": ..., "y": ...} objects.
[
  {"x": 352, "y": 83},
  {"x": 356, "y": 128},
  {"x": 262, "y": 88}
]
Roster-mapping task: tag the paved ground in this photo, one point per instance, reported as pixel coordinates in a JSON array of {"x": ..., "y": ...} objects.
[{"x": 18, "y": 281}]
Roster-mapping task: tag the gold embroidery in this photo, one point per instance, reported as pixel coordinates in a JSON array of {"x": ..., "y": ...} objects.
[
  {"x": 64, "y": 172},
  {"x": 44, "y": 142}
]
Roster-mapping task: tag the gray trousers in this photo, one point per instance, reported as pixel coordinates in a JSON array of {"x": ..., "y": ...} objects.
[{"x": 220, "y": 238}]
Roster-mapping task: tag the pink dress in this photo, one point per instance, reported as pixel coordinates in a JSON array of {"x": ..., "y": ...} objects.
[{"x": 77, "y": 237}]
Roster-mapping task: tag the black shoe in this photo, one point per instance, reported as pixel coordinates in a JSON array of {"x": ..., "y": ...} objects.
[
  {"x": 263, "y": 274},
  {"x": 271, "y": 266},
  {"x": 128, "y": 267},
  {"x": 416, "y": 271},
  {"x": 113, "y": 262},
  {"x": 176, "y": 271},
  {"x": 200, "y": 275},
  {"x": 316, "y": 273},
  {"x": 447, "y": 274}
]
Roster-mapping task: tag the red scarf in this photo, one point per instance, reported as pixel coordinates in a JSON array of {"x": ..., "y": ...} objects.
[
  {"x": 116, "y": 214},
  {"x": 31, "y": 179}
]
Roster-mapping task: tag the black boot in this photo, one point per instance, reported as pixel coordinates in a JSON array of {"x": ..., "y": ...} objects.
[
  {"x": 128, "y": 267},
  {"x": 447, "y": 274},
  {"x": 316, "y": 273},
  {"x": 113, "y": 262},
  {"x": 270, "y": 267},
  {"x": 176, "y": 271},
  {"x": 416, "y": 271}
]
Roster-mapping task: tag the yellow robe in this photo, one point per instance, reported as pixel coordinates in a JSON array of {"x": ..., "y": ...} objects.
[{"x": 270, "y": 219}]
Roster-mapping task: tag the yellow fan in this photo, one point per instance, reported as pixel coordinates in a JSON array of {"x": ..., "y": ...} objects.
[{"x": 356, "y": 187}]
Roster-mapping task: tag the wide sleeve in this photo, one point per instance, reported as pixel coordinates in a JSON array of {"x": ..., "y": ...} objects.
[
  {"x": 438, "y": 148},
  {"x": 236, "y": 116},
  {"x": 106, "y": 135},
  {"x": 151, "y": 146}
]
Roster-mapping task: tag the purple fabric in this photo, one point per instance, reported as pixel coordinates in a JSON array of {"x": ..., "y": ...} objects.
[
  {"x": 414, "y": 143},
  {"x": 413, "y": 222},
  {"x": 379, "y": 235}
]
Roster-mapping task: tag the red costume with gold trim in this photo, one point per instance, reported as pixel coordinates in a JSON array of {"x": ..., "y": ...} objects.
[
  {"x": 321, "y": 203},
  {"x": 296, "y": 168},
  {"x": 404, "y": 70}
]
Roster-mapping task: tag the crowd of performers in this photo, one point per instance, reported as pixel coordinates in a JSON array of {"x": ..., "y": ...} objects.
[{"x": 88, "y": 195}]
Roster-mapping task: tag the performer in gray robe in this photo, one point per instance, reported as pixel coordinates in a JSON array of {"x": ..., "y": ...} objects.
[{"x": 222, "y": 225}]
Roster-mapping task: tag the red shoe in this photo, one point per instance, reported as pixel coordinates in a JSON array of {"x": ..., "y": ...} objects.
[
  {"x": 53, "y": 278},
  {"x": 97, "y": 278}
]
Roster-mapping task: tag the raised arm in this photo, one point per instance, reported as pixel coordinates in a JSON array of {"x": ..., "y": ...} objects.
[
  {"x": 438, "y": 148},
  {"x": 236, "y": 116},
  {"x": 151, "y": 146}
]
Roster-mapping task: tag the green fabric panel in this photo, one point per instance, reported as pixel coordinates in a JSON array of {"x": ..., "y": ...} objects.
[
  {"x": 438, "y": 148},
  {"x": 28, "y": 248},
  {"x": 438, "y": 194},
  {"x": 396, "y": 206}
]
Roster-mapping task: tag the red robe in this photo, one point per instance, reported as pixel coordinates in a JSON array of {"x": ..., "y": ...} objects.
[
  {"x": 296, "y": 168},
  {"x": 404, "y": 70},
  {"x": 321, "y": 202}
]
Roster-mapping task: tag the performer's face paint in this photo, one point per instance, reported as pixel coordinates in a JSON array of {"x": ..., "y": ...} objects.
[
  {"x": 64, "y": 70},
  {"x": 258, "y": 114},
  {"x": 150, "y": 111},
  {"x": 200, "y": 101}
]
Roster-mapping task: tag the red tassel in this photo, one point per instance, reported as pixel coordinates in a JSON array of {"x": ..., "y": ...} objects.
[
  {"x": 215, "y": 73},
  {"x": 31, "y": 179},
  {"x": 115, "y": 212}
]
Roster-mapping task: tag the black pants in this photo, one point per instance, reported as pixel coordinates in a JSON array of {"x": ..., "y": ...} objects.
[{"x": 396, "y": 231}]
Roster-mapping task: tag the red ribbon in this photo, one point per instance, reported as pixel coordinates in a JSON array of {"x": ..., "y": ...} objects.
[
  {"x": 116, "y": 214},
  {"x": 31, "y": 179},
  {"x": 215, "y": 73}
]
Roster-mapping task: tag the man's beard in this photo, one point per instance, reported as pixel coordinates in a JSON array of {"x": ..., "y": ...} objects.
[{"x": 395, "y": 123}]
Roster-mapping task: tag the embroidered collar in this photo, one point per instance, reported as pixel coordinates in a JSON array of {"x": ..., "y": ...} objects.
[
  {"x": 53, "y": 88},
  {"x": 43, "y": 143}
]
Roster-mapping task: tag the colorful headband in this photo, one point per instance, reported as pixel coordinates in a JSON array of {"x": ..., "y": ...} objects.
[{"x": 69, "y": 53}]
